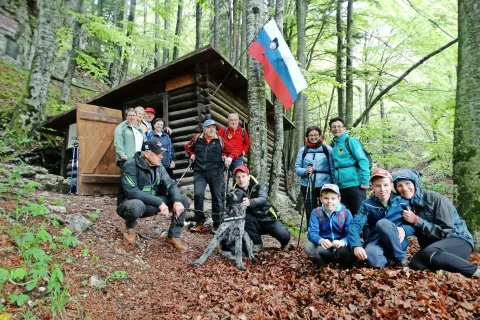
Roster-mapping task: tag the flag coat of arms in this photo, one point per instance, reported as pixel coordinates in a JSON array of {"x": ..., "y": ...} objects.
[{"x": 281, "y": 71}]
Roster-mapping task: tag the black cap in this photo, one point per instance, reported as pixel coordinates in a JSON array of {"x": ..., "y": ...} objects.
[{"x": 154, "y": 146}]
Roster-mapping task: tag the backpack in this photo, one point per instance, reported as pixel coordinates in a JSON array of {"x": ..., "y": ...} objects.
[
  {"x": 325, "y": 151},
  {"x": 340, "y": 218},
  {"x": 367, "y": 154}
]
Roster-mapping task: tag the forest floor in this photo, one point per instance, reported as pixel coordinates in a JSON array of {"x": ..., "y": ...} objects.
[{"x": 151, "y": 280}]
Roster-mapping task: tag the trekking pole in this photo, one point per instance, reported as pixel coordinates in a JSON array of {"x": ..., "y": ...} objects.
[
  {"x": 77, "y": 150},
  {"x": 226, "y": 190},
  {"x": 71, "y": 169},
  {"x": 301, "y": 224},
  {"x": 307, "y": 194},
  {"x": 189, "y": 165}
]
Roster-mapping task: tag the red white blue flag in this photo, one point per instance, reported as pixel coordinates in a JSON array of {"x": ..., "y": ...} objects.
[{"x": 281, "y": 71}]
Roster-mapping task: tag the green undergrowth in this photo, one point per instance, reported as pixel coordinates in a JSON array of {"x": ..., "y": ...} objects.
[{"x": 38, "y": 253}]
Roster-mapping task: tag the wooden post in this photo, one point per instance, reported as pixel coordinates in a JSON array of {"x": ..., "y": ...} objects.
[{"x": 165, "y": 108}]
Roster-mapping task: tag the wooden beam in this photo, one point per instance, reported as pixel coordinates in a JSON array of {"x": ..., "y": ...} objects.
[
  {"x": 179, "y": 82},
  {"x": 100, "y": 178},
  {"x": 166, "y": 116},
  {"x": 97, "y": 154},
  {"x": 99, "y": 117}
]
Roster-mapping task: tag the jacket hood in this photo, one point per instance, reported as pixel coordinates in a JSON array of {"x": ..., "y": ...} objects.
[{"x": 414, "y": 176}]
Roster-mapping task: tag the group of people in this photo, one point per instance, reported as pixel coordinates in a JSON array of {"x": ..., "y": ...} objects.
[
  {"x": 334, "y": 180},
  {"x": 148, "y": 187}
]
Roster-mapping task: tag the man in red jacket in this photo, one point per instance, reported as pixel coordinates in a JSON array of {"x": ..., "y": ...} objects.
[{"x": 238, "y": 137}]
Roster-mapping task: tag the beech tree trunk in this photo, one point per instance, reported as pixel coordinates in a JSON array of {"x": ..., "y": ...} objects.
[
  {"x": 349, "y": 68},
  {"x": 27, "y": 116},
  {"x": 166, "y": 51},
  {"x": 216, "y": 13},
  {"x": 178, "y": 29},
  {"x": 198, "y": 24},
  {"x": 65, "y": 93},
  {"x": 277, "y": 164},
  {"x": 256, "y": 96},
  {"x": 300, "y": 109},
  {"x": 126, "y": 52},
  {"x": 115, "y": 68},
  {"x": 466, "y": 152},
  {"x": 339, "y": 68},
  {"x": 158, "y": 58},
  {"x": 243, "y": 45}
]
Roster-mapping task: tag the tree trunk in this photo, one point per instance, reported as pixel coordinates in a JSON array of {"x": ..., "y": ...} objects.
[
  {"x": 244, "y": 42},
  {"x": 349, "y": 69},
  {"x": 65, "y": 93},
  {"x": 127, "y": 52},
  {"x": 145, "y": 55},
  {"x": 236, "y": 23},
  {"x": 466, "y": 152},
  {"x": 276, "y": 170},
  {"x": 166, "y": 51},
  {"x": 158, "y": 58},
  {"x": 256, "y": 95},
  {"x": 216, "y": 13},
  {"x": 27, "y": 116},
  {"x": 198, "y": 24},
  {"x": 178, "y": 29},
  {"x": 229, "y": 30},
  {"x": 339, "y": 68},
  {"x": 115, "y": 68},
  {"x": 300, "y": 112}
]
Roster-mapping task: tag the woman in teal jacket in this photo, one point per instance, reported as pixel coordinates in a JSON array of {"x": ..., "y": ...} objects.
[{"x": 128, "y": 138}]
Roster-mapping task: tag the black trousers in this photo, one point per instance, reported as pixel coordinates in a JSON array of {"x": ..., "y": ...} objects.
[
  {"x": 256, "y": 229},
  {"x": 449, "y": 254},
  {"x": 214, "y": 179},
  {"x": 319, "y": 255},
  {"x": 133, "y": 209},
  {"x": 311, "y": 201},
  {"x": 352, "y": 198}
]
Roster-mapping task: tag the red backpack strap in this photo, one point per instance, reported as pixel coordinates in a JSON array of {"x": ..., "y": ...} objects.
[{"x": 341, "y": 223}]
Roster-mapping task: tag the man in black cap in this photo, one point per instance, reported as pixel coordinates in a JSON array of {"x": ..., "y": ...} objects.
[{"x": 147, "y": 190}]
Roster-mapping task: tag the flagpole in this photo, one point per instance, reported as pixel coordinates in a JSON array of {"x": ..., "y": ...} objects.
[{"x": 233, "y": 67}]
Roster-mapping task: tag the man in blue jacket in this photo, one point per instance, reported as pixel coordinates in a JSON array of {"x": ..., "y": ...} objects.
[
  {"x": 147, "y": 190},
  {"x": 388, "y": 231}
]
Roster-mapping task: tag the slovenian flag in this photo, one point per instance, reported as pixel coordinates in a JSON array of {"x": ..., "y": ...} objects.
[{"x": 281, "y": 71}]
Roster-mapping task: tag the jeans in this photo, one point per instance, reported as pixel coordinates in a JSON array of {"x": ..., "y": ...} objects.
[
  {"x": 449, "y": 254},
  {"x": 386, "y": 246},
  {"x": 235, "y": 163},
  {"x": 256, "y": 229},
  {"x": 132, "y": 209},
  {"x": 214, "y": 179},
  {"x": 319, "y": 255},
  {"x": 352, "y": 198}
]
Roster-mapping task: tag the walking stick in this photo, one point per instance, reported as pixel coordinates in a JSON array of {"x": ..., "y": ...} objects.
[
  {"x": 189, "y": 165},
  {"x": 76, "y": 161},
  {"x": 71, "y": 169},
  {"x": 308, "y": 196}
]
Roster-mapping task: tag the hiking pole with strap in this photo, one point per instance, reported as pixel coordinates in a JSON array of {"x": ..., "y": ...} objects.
[
  {"x": 189, "y": 165},
  {"x": 307, "y": 195},
  {"x": 76, "y": 161},
  {"x": 73, "y": 165}
]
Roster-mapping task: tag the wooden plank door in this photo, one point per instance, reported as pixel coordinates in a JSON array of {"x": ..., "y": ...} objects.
[{"x": 97, "y": 168}]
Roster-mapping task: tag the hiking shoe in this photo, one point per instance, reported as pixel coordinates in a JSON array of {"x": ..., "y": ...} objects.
[
  {"x": 200, "y": 228},
  {"x": 286, "y": 247},
  {"x": 476, "y": 274},
  {"x": 400, "y": 263},
  {"x": 129, "y": 235},
  {"x": 176, "y": 244}
]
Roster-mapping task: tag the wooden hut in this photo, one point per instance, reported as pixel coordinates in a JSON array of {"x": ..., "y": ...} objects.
[{"x": 180, "y": 92}]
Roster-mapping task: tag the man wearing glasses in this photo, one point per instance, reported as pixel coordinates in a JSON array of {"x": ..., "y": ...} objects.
[{"x": 352, "y": 169}]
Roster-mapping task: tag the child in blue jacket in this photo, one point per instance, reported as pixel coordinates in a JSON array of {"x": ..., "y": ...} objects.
[{"x": 328, "y": 230}]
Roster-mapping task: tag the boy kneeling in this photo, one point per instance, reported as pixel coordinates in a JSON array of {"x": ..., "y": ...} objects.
[
  {"x": 387, "y": 242},
  {"x": 328, "y": 230}
]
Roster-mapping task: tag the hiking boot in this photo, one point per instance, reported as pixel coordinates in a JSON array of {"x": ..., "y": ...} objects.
[
  {"x": 176, "y": 244},
  {"x": 400, "y": 263},
  {"x": 129, "y": 235},
  {"x": 257, "y": 248},
  {"x": 476, "y": 274},
  {"x": 286, "y": 247},
  {"x": 200, "y": 228}
]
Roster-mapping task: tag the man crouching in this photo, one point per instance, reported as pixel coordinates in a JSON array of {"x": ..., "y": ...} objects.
[
  {"x": 262, "y": 217},
  {"x": 146, "y": 190}
]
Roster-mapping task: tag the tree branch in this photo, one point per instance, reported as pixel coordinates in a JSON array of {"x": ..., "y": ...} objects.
[{"x": 394, "y": 83}]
